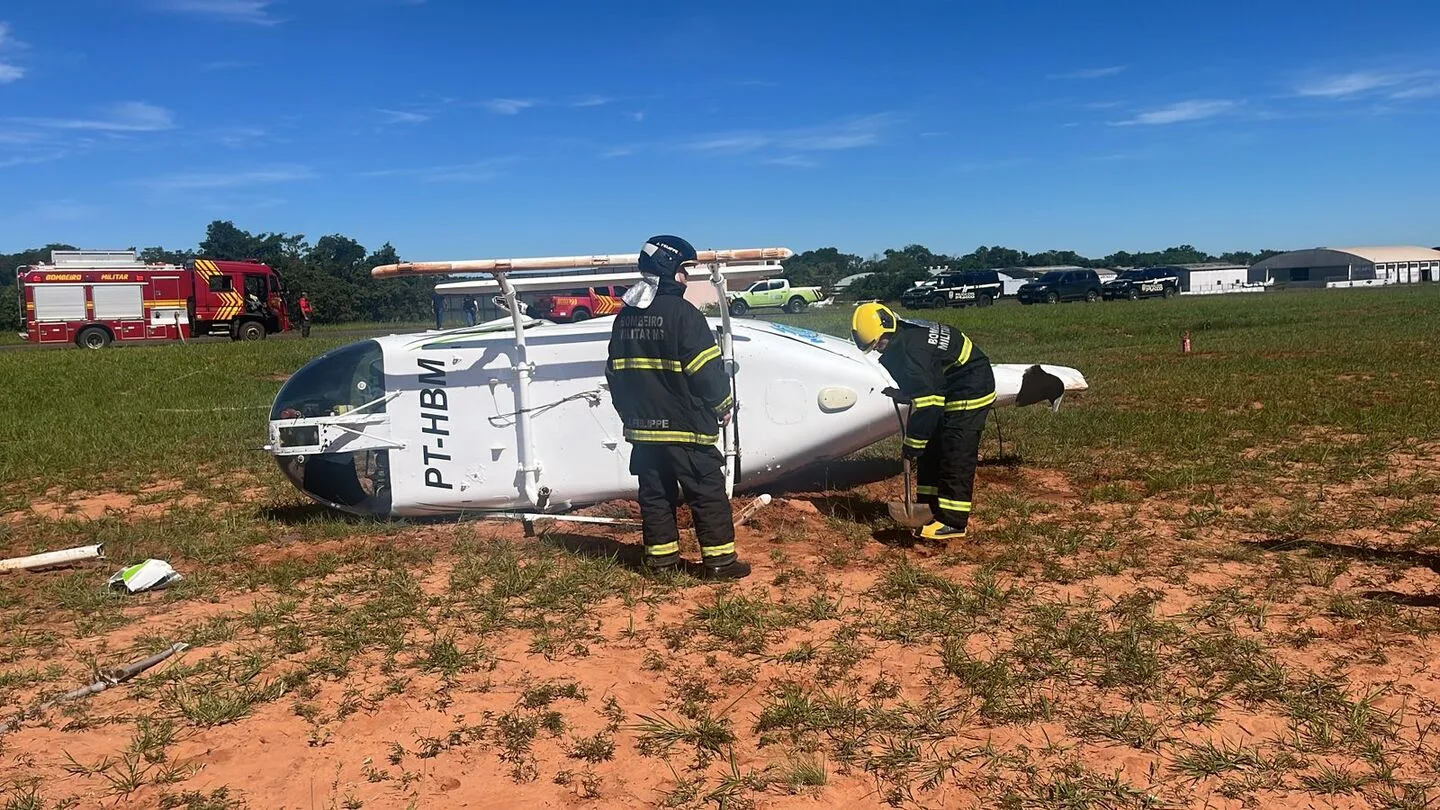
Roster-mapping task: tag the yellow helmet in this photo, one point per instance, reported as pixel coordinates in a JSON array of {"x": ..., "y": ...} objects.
[{"x": 871, "y": 322}]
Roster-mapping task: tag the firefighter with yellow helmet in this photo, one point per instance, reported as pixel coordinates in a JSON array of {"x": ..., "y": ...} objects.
[{"x": 950, "y": 386}]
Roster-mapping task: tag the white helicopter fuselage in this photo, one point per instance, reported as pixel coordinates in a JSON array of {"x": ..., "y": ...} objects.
[{"x": 467, "y": 420}]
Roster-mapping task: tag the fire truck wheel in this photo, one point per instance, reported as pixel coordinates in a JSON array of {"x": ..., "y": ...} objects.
[
  {"x": 580, "y": 314},
  {"x": 93, "y": 337},
  {"x": 252, "y": 330}
]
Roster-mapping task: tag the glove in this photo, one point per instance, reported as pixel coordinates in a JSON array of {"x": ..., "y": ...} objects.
[
  {"x": 894, "y": 393},
  {"x": 725, "y": 418},
  {"x": 911, "y": 453}
]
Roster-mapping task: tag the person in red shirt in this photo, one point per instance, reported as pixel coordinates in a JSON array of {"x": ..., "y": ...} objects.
[{"x": 305, "y": 312}]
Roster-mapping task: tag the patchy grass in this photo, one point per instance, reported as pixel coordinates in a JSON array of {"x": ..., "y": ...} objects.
[{"x": 1212, "y": 577}]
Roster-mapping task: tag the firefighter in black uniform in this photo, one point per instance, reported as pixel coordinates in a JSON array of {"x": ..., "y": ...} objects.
[
  {"x": 951, "y": 388},
  {"x": 672, "y": 392}
]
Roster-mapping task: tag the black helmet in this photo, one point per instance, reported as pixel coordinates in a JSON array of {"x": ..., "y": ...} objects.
[{"x": 665, "y": 255}]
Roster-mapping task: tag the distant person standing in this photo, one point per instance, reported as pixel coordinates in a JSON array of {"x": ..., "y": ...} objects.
[
  {"x": 305, "y": 312},
  {"x": 472, "y": 309},
  {"x": 438, "y": 301}
]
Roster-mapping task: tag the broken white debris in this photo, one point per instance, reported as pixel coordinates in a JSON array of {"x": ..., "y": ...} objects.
[
  {"x": 149, "y": 575},
  {"x": 751, "y": 508},
  {"x": 52, "y": 559}
]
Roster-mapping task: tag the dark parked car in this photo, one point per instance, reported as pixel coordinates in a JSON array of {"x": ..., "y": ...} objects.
[
  {"x": 964, "y": 288},
  {"x": 1061, "y": 285},
  {"x": 1143, "y": 282}
]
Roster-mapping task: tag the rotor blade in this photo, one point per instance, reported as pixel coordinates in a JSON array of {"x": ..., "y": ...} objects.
[{"x": 564, "y": 262}]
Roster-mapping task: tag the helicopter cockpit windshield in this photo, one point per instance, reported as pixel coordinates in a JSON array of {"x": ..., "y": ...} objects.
[{"x": 319, "y": 429}]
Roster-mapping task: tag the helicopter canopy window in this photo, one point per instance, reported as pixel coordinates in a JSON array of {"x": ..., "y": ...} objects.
[{"x": 334, "y": 383}]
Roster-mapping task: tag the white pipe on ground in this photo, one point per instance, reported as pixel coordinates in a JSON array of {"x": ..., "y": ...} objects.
[{"x": 53, "y": 558}]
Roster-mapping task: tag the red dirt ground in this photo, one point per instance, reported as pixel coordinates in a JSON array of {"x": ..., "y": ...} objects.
[{"x": 274, "y": 758}]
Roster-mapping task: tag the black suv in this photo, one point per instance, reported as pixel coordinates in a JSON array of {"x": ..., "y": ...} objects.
[
  {"x": 1061, "y": 285},
  {"x": 966, "y": 287},
  {"x": 1144, "y": 282}
]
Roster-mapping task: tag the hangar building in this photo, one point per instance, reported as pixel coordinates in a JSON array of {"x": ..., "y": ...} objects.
[{"x": 1348, "y": 267}]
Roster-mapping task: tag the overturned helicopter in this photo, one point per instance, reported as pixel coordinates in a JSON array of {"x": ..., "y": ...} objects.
[{"x": 513, "y": 417}]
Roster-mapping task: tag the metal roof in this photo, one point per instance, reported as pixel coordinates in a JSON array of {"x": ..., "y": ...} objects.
[
  {"x": 1399, "y": 253},
  {"x": 1339, "y": 257}
]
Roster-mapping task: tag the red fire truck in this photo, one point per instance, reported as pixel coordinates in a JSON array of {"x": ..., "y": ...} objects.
[
  {"x": 93, "y": 297},
  {"x": 579, "y": 304}
]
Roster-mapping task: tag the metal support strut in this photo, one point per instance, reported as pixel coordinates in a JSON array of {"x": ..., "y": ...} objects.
[
  {"x": 730, "y": 437},
  {"x": 529, "y": 466}
]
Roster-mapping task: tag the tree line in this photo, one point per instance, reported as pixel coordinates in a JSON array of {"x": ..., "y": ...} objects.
[{"x": 335, "y": 269}]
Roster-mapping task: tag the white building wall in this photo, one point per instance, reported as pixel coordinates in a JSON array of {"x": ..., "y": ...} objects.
[{"x": 1209, "y": 282}]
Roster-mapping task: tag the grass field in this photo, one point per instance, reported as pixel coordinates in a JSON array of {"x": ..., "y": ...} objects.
[{"x": 1209, "y": 582}]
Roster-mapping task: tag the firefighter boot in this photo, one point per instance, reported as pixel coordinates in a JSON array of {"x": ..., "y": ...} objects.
[
  {"x": 734, "y": 569},
  {"x": 660, "y": 567},
  {"x": 938, "y": 532}
]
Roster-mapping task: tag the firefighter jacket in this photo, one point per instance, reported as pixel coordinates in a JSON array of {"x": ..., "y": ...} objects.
[
  {"x": 665, "y": 374},
  {"x": 938, "y": 370}
]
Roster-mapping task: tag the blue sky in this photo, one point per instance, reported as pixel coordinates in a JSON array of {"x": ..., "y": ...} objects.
[{"x": 467, "y": 130}]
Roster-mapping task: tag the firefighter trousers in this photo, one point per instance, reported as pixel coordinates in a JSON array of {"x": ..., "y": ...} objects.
[
  {"x": 945, "y": 478},
  {"x": 667, "y": 470}
]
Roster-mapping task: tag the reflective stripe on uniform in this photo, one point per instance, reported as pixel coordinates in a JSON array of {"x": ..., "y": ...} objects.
[
  {"x": 953, "y": 506},
  {"x": 663, "y": 549},
  {"x": 970, "y": 404},
  {"x": 725, "y": 405},
  {"x": 966, "y": 349},
  {"x": 929, "y": 402},
  {"x": 701, "y": 359},
  {"x": 717, "y": 551},
  {"x": 645, "y": 364},
  {"x": 924, "y": 490},
  {"x": 669, "y": 436},
  {"x": 918, "y": 444}
]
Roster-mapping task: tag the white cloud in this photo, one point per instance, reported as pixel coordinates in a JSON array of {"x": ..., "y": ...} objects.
[
  {"x": 476, "y": 171},
  {"x": 507, "y": 106},
  {"x": 794, "y": 161},
  {"x": 8, "y": 42},
  {"x": 1178, "y": 112},
  {"x": 1417, "y": 91},
  {"x": 637, "y": 117},
  {"x": 592, "y": 101},
  {"x": 9, "y": 72},
  {"x": 31, "y": 159},
  {"x": 402, "y": 117},
  {"x": 195, "y": 181},
  {"x": 1091, "y": 73},
  {"x": 127, "y": 116},
  {"x": 1349, "y": 84},
  {"x": 245, "y": 11},
  {"x": 730, "y": 143},
  {"x": 849, "y": 133},
  {"x": 236, "y": 137}
]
